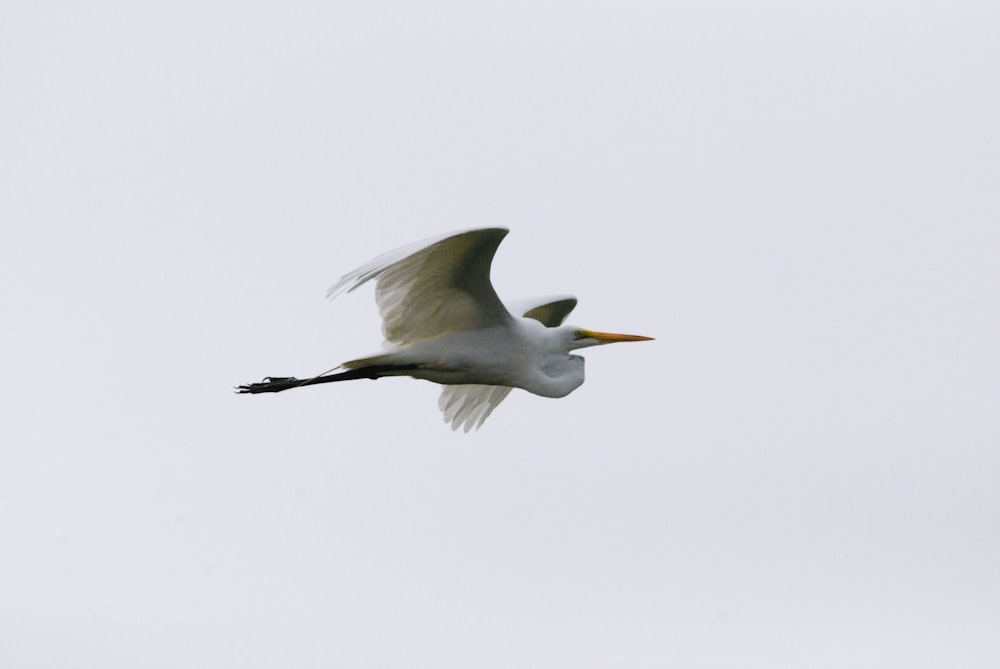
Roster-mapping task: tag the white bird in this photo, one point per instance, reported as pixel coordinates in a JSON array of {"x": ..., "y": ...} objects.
[{"x": 443, "y": 322}]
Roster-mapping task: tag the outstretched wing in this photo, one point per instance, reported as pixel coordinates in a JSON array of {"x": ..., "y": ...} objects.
[
  {"x": 549, "y": 311},
  {"x": 470, "y": 405},
  {"x": 434, "y": 287}
]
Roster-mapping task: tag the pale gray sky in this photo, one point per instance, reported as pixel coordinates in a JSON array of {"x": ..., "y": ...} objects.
[{"x": 798, "y": 200}]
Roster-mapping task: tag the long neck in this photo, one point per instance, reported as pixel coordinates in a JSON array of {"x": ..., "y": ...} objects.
[{"x": 559, "y": 376}]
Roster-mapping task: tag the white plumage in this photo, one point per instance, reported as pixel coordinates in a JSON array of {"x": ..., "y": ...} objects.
[{"x": 443, "y": 322}]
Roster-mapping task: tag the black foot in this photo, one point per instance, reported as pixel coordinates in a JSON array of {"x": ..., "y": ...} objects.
[{"x": 270, "y": 384}]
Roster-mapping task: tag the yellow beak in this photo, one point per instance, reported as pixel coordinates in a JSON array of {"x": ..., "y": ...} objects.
[{"x": 611, "y": 337}]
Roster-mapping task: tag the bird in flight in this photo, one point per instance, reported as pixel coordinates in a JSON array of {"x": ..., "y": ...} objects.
[{"x": 443, "y": 322}]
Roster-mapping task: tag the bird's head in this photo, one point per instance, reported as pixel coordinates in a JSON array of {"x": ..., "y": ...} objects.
[{"x": 581, "y": 338}]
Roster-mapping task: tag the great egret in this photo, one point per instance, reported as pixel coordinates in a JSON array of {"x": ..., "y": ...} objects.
[{"x": 443, "y": 322}]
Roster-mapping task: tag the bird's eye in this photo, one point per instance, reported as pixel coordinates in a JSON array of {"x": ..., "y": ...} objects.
[{"x": 578, "y": 334}]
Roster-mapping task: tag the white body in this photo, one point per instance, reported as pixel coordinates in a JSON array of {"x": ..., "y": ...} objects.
[{"x": 519, "y": 355}]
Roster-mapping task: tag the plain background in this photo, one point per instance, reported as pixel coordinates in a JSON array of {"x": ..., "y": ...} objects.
[{"x": 798, "y": 200}]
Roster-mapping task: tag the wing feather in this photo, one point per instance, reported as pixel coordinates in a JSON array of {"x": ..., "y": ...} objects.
[
  {"x": 433, "y": 287},
  {"x": 550, "y": 311},
  {"x": 470, "y": 405}
]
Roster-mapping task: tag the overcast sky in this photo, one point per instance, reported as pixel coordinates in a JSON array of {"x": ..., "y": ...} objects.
[{"x": 799, "y": 201}]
